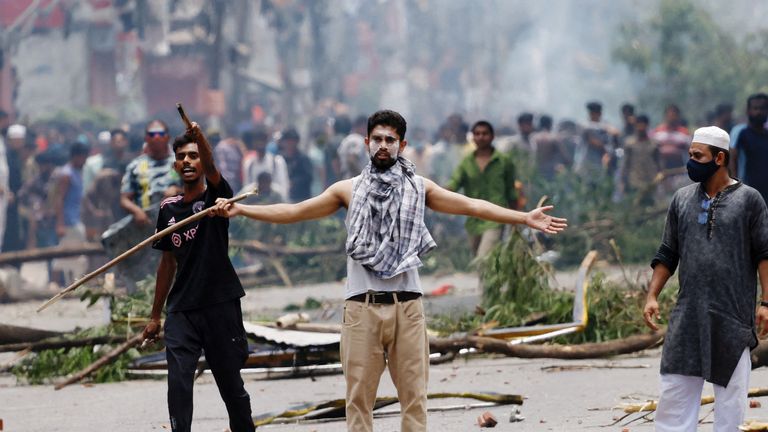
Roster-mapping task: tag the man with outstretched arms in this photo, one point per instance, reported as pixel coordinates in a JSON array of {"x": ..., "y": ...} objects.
[{"x": 383, "y": 324}]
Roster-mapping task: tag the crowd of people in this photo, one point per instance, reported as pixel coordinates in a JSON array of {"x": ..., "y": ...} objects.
[{"x": 64, "y": 183}]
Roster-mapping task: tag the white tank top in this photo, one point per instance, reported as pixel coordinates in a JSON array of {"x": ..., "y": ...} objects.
[{"x": 360, "y": 280}]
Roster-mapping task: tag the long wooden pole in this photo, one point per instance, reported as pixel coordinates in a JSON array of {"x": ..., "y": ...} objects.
[
  {"x": 133, "y": 250},
  {"x": 147, "y": 241}
]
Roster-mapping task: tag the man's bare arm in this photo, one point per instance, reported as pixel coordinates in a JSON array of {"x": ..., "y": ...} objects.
[
  {"x": 325, "y": 204},
  {"x": 165, "y": 273},
  {"x": 761, "y": 320},
  {"x": 445, "y": 201},
  {"x": 139, "y": 216},
  {"x": 212, "y": 173},
  {"x": 661, "y": 275}
]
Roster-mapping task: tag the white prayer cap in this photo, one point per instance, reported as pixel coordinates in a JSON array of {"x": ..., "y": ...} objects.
[
  {"x": 104, "y": 137},
  {"x": 712, "y": 135},
  {"x": 17, "y": 131}
]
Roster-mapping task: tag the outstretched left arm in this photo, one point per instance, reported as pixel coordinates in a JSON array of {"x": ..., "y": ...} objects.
[{"x": 445, "y": 201}]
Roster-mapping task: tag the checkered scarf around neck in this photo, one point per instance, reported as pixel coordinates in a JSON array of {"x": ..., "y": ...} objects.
[{"x": 385, "y": 224}]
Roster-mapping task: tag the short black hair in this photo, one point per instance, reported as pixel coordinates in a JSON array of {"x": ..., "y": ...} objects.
[
  {"x": 249, "y": 136},
  {"x": 483, "y": 123},
  {"x": 264, "y": 176},
  {"x": 79, "y": 149},
  {"x": 342, "y": 125},
  {"x": 545, "y": 122},
  {"x": 182, "y": 140},
  {"x": 525, "y": 117},
  {"x": 723, "y": 108},
  {"x": 715, "y": 150},
  {"x": 756, "y": 96},
  {"x": 642, "y": 118},
  {"x": 672, "y": 107},
  {"x": 628, "y": 109},
  {"x": 115, "y": 132},
  {"x": 290, "y": 133},
  {"x": 594, "y": 106},
  {"x": 146, "y": 128},
  {"x": 389, "y": 118}
]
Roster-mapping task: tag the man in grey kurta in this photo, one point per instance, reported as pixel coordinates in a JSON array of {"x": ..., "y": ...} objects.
[{"x": 717, "y": 231}]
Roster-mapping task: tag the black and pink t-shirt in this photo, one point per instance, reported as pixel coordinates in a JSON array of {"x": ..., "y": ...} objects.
[{"x": 204, "y": 273}]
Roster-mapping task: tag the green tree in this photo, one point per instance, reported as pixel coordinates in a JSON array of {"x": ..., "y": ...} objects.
[{"x": 680, "y": 54}]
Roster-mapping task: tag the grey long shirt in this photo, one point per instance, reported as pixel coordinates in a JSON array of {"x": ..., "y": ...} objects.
[{"x": 718, "y": 249}]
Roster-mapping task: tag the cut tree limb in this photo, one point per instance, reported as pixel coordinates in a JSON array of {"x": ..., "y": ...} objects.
[
  {"x": 103, "y": 361},
  {"x": 55, "y": 343},
  {"x": 573, "y": 352},
  {"x": 42, "y": 254},
  {"x": 14, "y": 334}
]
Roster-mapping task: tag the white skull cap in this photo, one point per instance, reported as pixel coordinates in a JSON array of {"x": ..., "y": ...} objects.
[
  {"x": 17, "y": 131},
  {"x": 712, "y": 135}
]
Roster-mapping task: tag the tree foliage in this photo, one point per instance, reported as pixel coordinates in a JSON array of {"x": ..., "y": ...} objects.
[{"x": 681, "y": 55}]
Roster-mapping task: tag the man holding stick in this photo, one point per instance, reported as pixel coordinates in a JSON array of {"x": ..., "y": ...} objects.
[
  {"x": 383, "y": 324},
  {"x": 203, "y": 308}
]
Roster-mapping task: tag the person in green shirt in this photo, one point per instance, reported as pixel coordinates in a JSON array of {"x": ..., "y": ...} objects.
[{"x": 487, "y": 174}]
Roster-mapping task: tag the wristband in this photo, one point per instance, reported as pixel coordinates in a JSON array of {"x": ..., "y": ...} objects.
[{"x": 764, "y": 303}]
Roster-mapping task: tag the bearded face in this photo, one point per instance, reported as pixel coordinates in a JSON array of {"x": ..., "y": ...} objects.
[{"x": 384, "y": 146}]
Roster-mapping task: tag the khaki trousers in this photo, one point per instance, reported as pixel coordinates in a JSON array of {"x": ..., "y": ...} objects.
[{"x": 377, "y": 335}]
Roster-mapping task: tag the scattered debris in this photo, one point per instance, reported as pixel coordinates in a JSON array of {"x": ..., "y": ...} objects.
[
  {"x": 754, "y": 426},
  {"x": 706, "y": 400},
  {"x": 561, "y": 368},
  {"x": 487, "y": 420},
  {"x": 442, "y": 290},
  {"x": 335, "y": 409},
  {"x": 516, "y": 417},
  {"x": 290, "y": 320},
  {"x": 16, "y": 358}
]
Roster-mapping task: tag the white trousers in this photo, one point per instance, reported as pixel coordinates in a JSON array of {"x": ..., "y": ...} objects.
[{"x": 680, "y": 401}]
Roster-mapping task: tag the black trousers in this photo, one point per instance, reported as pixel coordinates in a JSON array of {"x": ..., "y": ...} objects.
[{"x": 217, "y": 330}]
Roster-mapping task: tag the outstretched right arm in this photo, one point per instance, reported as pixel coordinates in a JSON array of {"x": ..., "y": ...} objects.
[{"x": 325, "y": 204}]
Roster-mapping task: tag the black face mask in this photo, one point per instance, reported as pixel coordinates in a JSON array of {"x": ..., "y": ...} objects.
[{"x": 701, "y": 172}]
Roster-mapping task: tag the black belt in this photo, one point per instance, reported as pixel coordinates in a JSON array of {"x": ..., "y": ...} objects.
[{"x": 386, "y": 297}]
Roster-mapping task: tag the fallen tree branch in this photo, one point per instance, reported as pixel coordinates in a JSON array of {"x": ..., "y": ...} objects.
[
  {"x": 43, "y": 254},
  {"x": 561, "y": 368},
  {"x": 572, "y": 352},
  {"x": 14, "y": 334},
  {"x": 55, "y": 343},
  {"x": 103, "y": 361},
  {"x": 16, "y": 358}
]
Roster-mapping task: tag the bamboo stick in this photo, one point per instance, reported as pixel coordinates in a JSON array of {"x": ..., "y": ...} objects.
[{"x": 131, "y": 251}]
